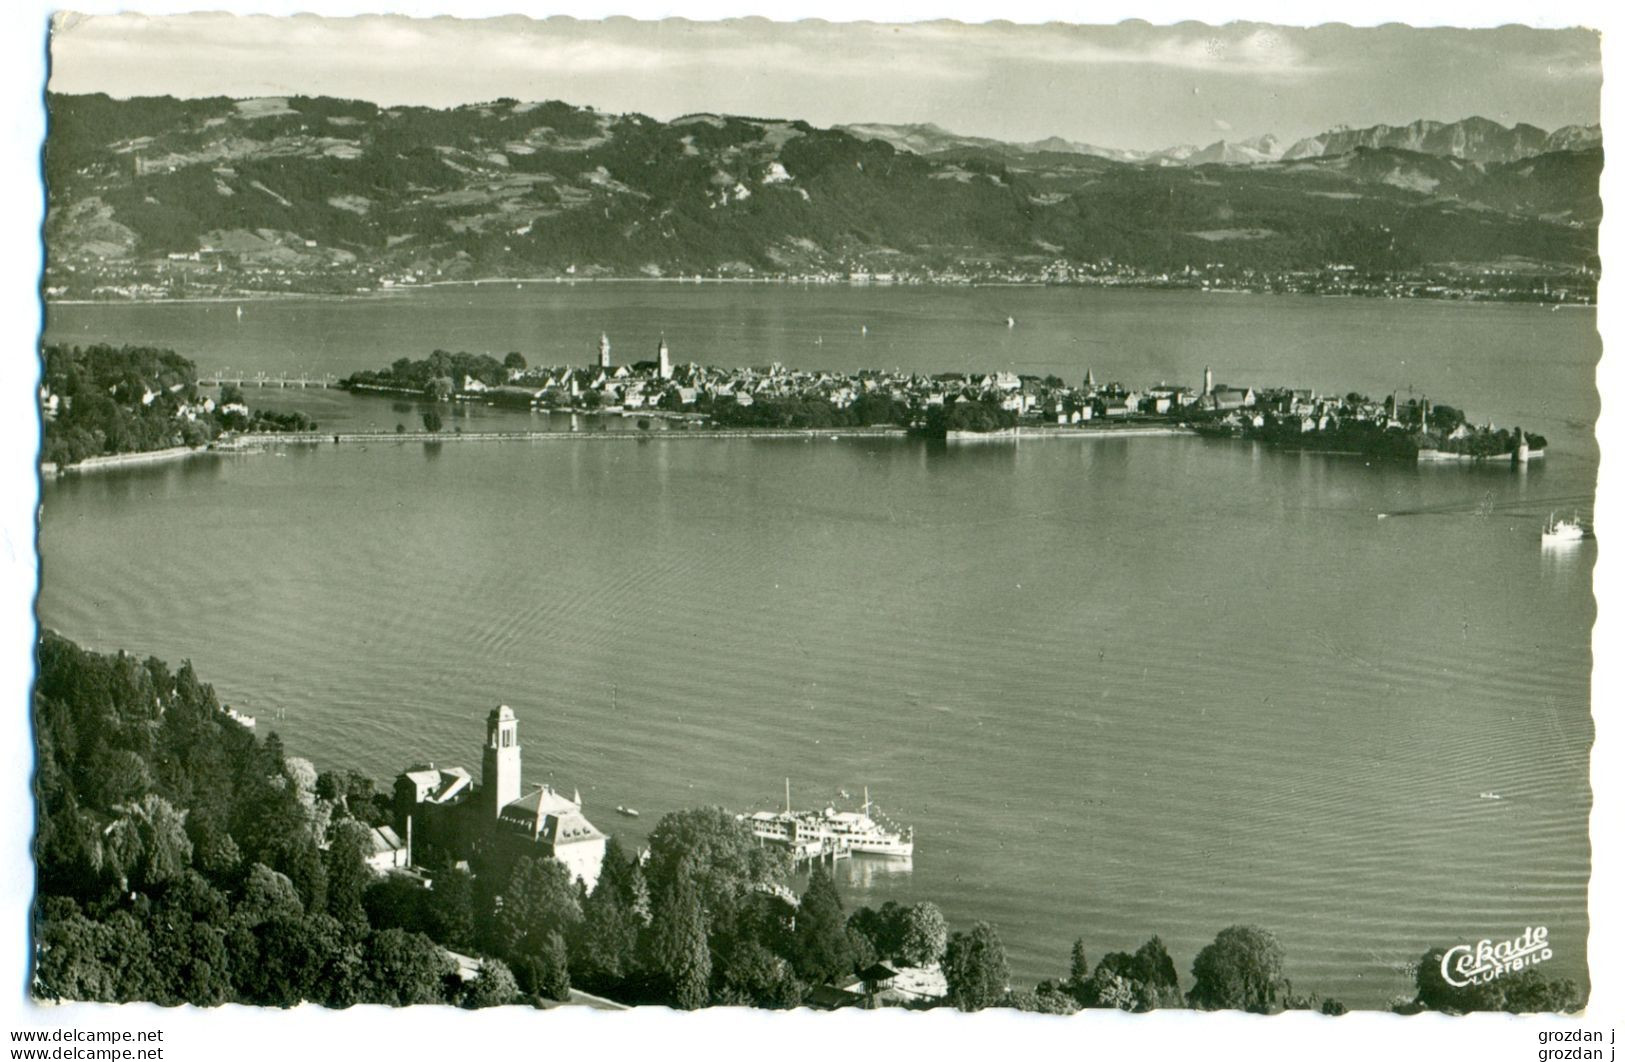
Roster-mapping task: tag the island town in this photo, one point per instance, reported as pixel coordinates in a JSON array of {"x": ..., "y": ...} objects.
[
  {"x": 956, "y": 406},
  {"x": 106, "y": 406}
]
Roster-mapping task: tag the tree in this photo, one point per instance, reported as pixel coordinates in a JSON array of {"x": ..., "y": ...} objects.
[
  {"x": 148, "y": 843},
  {"x": 71, "y": 956},
  {"x": 214, "y": 852},
  {"x": 924, "y": 934},
  {"x": 402, "y": 968},
  {"x": 494, "y": 987},
  {"x": 283, "y": 961},
  {"x": 348, "y": 874},
  {"x": 267, "y": 894},
  {"x": 540, "y": 899},
  {"x": 678, "y": 953},
  {"x": 514, "y": 360},
  {"x": 1077, "y": 975},
  {"x": 755, "y": 977},
  {"x": 1156, "y": 979},
  {"x": 1047, "y": 999},
  {"x": 432, "y": 420},
  {"x": 299, "y": 858},
  {"x": 553, "y": 968},
  {"x": 975, "y": 968},
  {"x": 393, "y": 902},
  {"x": 606, "y": 943},
  {"x": 822, "y": 951},
  {"x": 724, "y": 859},
  {"x": 1240, "y": 970},
  {"x": 451, "y": 912}
]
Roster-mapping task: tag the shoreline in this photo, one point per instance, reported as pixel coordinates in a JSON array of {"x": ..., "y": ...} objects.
[
  {"x": 260, "y": 440},
  {"x": 104, "y": 462},
  {"x": 257, "y": 442},
  {"x": 556, "y": 281}
]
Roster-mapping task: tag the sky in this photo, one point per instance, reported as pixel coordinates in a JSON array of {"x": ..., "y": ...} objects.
[{"x": 1127, "y": 85}]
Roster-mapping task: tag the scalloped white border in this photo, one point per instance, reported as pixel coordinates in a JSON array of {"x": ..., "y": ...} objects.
[{"x": 245, "y": 1034}]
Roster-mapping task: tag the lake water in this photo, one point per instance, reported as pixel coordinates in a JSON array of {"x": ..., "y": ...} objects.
[{"x": 1119, "y": 686}]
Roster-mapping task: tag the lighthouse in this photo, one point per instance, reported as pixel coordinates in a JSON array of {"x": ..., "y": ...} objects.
[{"x": 665, "y": 359}]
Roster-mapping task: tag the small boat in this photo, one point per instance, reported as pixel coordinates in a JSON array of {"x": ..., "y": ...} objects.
[
  {"x": 1489, "y": 795},
  {"x": 1009, "y": 322},
  {"x": 622, "y": 809},
  {"x": 1561, "y": 531}
]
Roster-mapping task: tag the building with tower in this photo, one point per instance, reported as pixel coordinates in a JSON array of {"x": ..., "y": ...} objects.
[
  {"x": 495, "y": 823},
  {"x": 603, "y": 350},
  {"x": 1207, "y": 381},
  {"x": 665, "y": 359},
  {"x": 499, "y": 769}
]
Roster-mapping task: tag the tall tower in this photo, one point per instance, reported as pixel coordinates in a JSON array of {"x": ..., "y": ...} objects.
[
  {"x": 665, "y": 359},
  {"x": 1089, "y": 378},
  {"x": 603, "y": 350},
  {"x": 499, "y": 771},
  {"x": 1207, "y": 381}
]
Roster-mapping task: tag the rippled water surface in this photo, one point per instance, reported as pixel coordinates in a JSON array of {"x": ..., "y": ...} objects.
[{"x": 1121, "y": 687}]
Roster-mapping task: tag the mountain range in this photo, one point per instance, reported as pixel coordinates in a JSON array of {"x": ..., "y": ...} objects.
[
  {"x": 1473, "y": 139},
  {"x": 298, "y": 187}
]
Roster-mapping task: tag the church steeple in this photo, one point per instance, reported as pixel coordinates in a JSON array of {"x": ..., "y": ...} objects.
[
  {"x": 665, "y": 358},
  {"x": 603, "y": 350},
  {"x": 499, "y": 770}
]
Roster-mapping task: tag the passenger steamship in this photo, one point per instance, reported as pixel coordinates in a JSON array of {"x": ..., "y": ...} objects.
[{"x": 815, "y": 834}]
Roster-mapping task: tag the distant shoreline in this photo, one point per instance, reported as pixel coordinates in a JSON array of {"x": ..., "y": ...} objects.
[{"x": 555, "y": 281}]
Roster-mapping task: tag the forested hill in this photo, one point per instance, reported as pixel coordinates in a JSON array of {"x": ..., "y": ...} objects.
[{"x": 308, "y": 188}]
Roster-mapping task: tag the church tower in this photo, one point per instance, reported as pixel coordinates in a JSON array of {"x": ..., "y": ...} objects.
[
  {"x": 603, "y": 350},
  {"x": 1207, "y": 381},
  {"x": 665, "y": 359},
  {"x": 499, "y": 772}
]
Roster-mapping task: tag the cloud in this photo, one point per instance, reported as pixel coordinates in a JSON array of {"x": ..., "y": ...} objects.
[{"x": 1221, "y": 125}]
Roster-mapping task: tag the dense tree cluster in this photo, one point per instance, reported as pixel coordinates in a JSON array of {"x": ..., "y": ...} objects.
[
  {"x": 437, "y": 377},
  {"x": 866, "y": 410},
  {"x": 182, "y": 860},
  {"x": 1446, "y": 429},
  {"x": 112, "y": 400},
  {"x": 969, "y": 415},
  {"x": 1525, "y": 991}
]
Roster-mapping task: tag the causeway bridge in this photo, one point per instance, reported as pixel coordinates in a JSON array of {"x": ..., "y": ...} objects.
[{"x": 223, "y": 377}]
